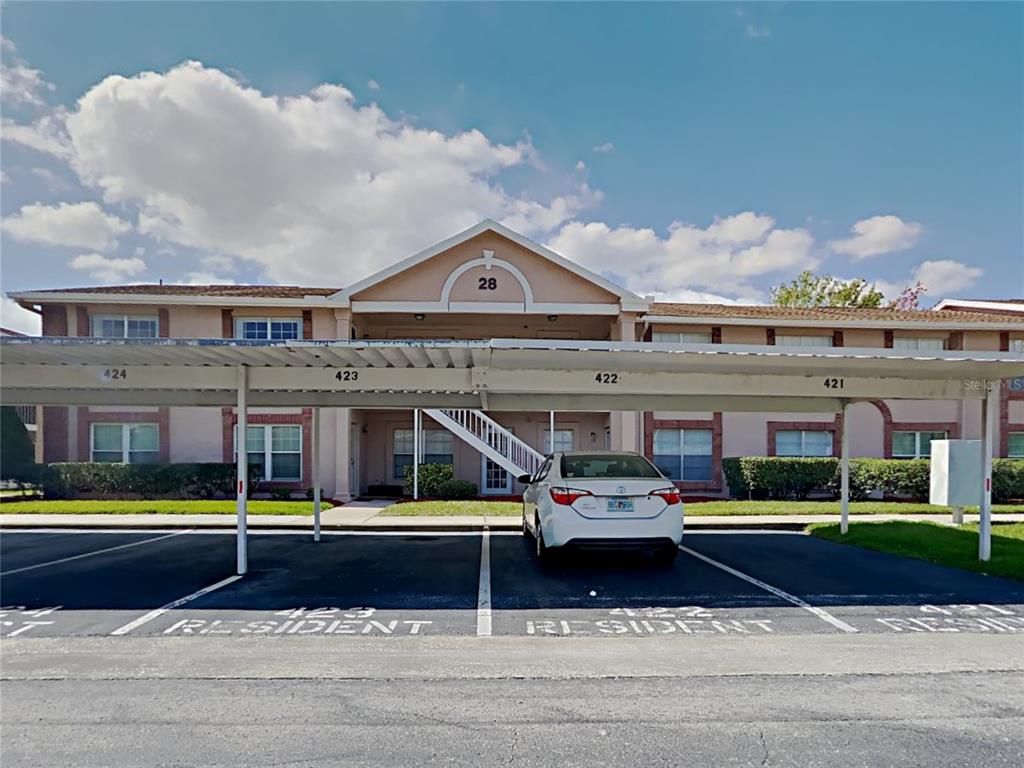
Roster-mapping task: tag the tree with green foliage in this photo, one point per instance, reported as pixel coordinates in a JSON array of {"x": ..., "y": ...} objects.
[
  {"x": 16, "y": 451},
  {"x": 811, "y": 290}
]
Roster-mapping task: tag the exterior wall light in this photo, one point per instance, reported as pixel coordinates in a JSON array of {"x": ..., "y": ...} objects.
[
  {"x": 419, "y": 316},
  {"x": 552, "y": 318}
]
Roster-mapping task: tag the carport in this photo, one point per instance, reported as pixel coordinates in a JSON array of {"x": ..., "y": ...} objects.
[{"x": 500, "y": 375}]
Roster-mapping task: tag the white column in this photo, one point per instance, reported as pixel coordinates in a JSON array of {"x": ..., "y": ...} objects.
[
  {"x": 844, "y": 472},
  {"x": 551, "y": 432},
  {"x": 989, "y": 408},
  {"x": 416, "y": 453},
  {"x": 315, "y": 459},
  {"x": 242, "y": 460}
]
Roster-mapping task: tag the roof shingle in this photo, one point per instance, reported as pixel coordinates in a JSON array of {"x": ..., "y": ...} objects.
[{"x": 822, "y": 314}]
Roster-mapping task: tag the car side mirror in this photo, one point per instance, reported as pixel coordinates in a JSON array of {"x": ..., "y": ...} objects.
[{"x": 524, "y": 479}]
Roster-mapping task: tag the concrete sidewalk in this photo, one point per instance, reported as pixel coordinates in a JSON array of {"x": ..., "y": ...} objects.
[{"x": 364, "y": 518}]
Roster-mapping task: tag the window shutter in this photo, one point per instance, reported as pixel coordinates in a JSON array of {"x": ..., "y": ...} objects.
[
  {"x": 889, "y": 335},
  {"x": 837, "y": 338},
  {"x": 307, "y": 324},
  {"x": 55, "y": 320},
  {"x": 227, "y": 324},
  {"x": 770, "y": 336},
  {"x": 716, "y": 334}
]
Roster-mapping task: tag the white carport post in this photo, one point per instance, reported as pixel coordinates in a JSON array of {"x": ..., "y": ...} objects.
[
  {"x": 242, "y": 459},
  {"x": 315, "y": 458},
  {"x": 551, "y": 432},
  {"x": 844, "y": 472},
  {"x": 415, "y": 453},
  {"x": 989, "y": 406}
]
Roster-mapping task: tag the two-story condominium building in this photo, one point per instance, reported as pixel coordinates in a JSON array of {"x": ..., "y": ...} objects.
[{"x": 486, "y": 283}]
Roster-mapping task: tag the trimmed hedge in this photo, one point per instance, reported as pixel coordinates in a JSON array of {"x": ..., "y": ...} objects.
[
  {"x": 777, "y": 477},
  {"x": 148, "y": 481},
  {"x": 458, "y": 490},
  {"x": 432, "y": 476}
]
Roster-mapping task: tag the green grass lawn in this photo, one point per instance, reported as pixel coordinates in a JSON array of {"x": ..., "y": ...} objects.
[
  {"x": 957, "y": 547},
  {"x": 442, "y": 508},
  {"x": 99, "y": 507},
  {"x": 829, "y": 508}
]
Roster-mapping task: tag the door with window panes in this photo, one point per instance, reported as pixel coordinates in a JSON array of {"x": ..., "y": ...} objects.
[{"x": 494, "y": 479}]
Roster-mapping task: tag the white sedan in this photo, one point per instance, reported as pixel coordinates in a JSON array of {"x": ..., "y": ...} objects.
[{"x": 598, "y": 499}]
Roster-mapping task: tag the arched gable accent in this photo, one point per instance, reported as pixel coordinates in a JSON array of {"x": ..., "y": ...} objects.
[{"x": 488, "y": 262}]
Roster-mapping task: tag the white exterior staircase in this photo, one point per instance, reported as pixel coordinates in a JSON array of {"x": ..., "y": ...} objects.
[{"x": 488, "y": 437}]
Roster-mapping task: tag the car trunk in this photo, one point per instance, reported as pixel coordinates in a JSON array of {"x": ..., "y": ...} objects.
[{"x": 618, "y": 498}]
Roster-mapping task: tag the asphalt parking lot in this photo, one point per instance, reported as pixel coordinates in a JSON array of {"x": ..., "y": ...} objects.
[{"x": 727, "y": 584}]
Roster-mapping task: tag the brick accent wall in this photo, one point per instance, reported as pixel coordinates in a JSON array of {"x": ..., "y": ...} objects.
[
  {"x": 716, "y": 334},
  {"x": 163, "y": 323},
  {"x": 837, "y": 338},
  {"x": 835, "y": 427},
  {"x": 227, "y": 324},
  {"x": 714, "y": 424},
  {"x": 307, "y": 324},
  {"x": 160, "y": 417},
  {"x": 54, "y": 427},
  {"x": 229, "y": 418},
  {"x": 82, "y": 321},
  {"x": 769, "y": 334},
  {"x": 890, "y": 337}
]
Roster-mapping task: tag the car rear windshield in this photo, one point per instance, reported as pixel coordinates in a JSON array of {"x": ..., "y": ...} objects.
[{"x": 600, "y": 465}]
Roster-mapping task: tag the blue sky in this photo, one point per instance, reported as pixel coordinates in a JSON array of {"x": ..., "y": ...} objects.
[{"x": 690, "y": 151}]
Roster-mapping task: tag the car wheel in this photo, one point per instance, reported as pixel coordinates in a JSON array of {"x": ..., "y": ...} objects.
[
  {"x": 543, "y": 550},
  {"x": 666, "y": 555}
]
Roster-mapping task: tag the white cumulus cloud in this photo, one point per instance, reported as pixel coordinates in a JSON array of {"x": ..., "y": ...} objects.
[
  {"x": 15, "y": 317},
  {"x": 84, "y": 225},
  {"x": 945, "y": 276},
  {"x": 20, "y": 84},
  {"x": 313, "y": 188},
  {"x": 604, "y": 148},
  {"x": 878, "y": 235},
  {"x": 108, "y": 269},
  {"x": 721, "y": 259},
  {"x": 373, "y": 85}
]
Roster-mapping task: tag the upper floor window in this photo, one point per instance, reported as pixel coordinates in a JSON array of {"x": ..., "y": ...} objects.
[
  {"x": 919, "y": 342},
  {"x": 1017, "y": 345},
  {"x": 125, "y": 326},
  {"x": 683, "y": 337},
  {"x": 803, "y": 442},
  {"x": 913, "y": 444},
  {"x": 800, "y": 340},
  {"x": 125, "y": 443},
  {"x": 268, "y": 328},
  {"x": 1015, "y": 445}
]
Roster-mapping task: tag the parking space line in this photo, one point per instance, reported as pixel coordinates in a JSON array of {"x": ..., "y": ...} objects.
[
  {"x": 147, "y": 617},
  {"x": 819, "y": 612},
  {"x": 483, "y": 595},
  {"x": 90, "y": 554}
]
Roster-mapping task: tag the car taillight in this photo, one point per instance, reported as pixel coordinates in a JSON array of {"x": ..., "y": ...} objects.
[
  {"x": 670, "y": 495},
  {"x": 566, "y": 496}
]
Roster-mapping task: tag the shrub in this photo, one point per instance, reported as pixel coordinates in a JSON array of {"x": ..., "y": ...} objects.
[
  {"x": 778, "y": 477},
  {"x": 281, "y": 494},
  {"x": 456, "y": 490},
  {"x": 431, "y": 477},
  {"x": 1007, "y": 480},
  {"x": 148, "y": 481},
  {"x": 16, "y": 452}
]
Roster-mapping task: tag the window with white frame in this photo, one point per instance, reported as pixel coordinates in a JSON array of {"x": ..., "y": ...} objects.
[
  {"x": 919, "y": 342},
  {"x": 682, "y": 337},
  {"x": 803, "y": 442},
  {"x": 268, "y": 328},
  {"x": 802, "y": 340},
  {"x": 276, "y": 449},
  {"x": 125, "y": 443},
  {"x": 910, "y": 444},
  {"x": 1015, "y": 445},
  {"x": 1017, "y": 345},
  {"x": 563, "y": 441},
  {"x": 125, "y": 326},
  {"x": 438, "y": 448},
  {"x": 683, "y": 454}
]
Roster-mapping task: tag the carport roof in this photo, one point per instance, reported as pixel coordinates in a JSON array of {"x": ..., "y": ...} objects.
[{"x": 515, "y": 354}]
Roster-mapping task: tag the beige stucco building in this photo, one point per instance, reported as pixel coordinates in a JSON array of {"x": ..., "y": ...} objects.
[{"x": 487, "y": 283}]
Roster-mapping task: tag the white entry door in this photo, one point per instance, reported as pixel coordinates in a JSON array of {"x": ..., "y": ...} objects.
[{"x": 494, "y": 480}]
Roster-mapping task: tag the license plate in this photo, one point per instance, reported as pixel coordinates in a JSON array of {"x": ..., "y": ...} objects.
[{"x": 620, "y": 505}]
